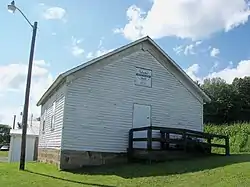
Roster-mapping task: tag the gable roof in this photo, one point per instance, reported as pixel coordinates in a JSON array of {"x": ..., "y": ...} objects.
[{"x": 64, "y": 75}]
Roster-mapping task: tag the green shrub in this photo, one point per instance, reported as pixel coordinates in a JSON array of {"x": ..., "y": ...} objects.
[{"x": 238, "y": 133}]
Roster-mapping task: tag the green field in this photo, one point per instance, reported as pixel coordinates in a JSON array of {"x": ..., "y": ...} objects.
[
  {"x": 238, "y": 133},
  {"x": 228, "y": 171},
  {"x": 213, "y": 171},
  {"x": 4, "y": 153}
]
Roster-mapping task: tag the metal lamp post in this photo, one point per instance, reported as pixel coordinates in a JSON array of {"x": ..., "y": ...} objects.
[{"x": 12, "y": 8}]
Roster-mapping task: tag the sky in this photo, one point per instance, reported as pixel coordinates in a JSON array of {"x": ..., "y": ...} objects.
[{"x": 206, "y": 38}]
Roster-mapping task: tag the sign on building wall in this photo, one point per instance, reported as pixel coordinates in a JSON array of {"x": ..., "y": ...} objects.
[{"x": 143, "y": 77}]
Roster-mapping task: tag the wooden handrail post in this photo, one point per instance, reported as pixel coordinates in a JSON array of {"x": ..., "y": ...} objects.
[
  {"x": 185, "y": 141},
  {"x": 130, "y": 145},
  {"x": 162, "y": 140},
  {"x": 227, "y": 146},
  {"x": 130, "y": 139},
  {"x": 167, "y": 140},
  {"x": 149, "y": 137},
  {"x": 209, "y": 141}
]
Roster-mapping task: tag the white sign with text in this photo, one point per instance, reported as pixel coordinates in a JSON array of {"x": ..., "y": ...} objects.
[{"x": 143, "y": 77}]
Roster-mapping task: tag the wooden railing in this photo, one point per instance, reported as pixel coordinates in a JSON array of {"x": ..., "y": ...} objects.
[{"x": 165, "y": 140}]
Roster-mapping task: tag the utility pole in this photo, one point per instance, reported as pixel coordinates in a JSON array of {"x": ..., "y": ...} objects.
[
  {"x": 26, "y": 102},
  {"x": 12, "y": 8}
]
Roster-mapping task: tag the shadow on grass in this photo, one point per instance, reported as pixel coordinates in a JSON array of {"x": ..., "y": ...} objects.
[
  {"x": 68, "y": 180},
  {"x": 165, "y": 168}
]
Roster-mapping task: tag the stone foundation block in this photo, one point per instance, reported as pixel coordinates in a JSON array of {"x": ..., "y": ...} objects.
[
  {"x": 77, "y": 159},
  {"x": 48, "y": 155}
]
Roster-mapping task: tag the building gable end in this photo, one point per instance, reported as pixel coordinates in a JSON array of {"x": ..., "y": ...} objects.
[{"x": 171, "y": 69}]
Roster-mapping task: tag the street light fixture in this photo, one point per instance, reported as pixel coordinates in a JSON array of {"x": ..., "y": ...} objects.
[{"x": 12, "y": 8}]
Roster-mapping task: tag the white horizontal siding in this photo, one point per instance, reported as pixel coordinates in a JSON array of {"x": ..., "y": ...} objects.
[
  {"x": 99, "y": 104},
  {"x": 52, "y": 138}
]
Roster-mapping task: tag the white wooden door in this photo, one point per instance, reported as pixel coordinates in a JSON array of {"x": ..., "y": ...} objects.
[{"x": 141, "y": 118}]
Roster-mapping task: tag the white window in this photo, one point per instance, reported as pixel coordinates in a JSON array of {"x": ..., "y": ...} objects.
[
  {"x": 53, "y": 116},
  {"x": 44, "y": 120},
  {"x": 143, "y": 77}
]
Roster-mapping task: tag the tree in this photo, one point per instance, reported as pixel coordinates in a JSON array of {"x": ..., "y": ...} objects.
[
  {"x": 4, "y": 134},
  {"x": 229, "y": 102},
  {"x": 221, "y": 95},
  {"x": 242, "y": 103}
]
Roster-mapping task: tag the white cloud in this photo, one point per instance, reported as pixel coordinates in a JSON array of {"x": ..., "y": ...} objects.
[
  {"x": 214, "y": 52},
  {"x": 117, "y": 30},
  {"x": 90, "y": 55},
  {"x": 237, "y": 19},
  {"x": 178, "y": 49},
  {"x": 192, "y": 72},
  {"x": 54, "y": 13},
  {"x": 188, "y": 49},
  {"x": 230, "y": 64},
  {"x": 229, "y": 73},
  {"x": 215, "y": 66},
  {"x": 41, "y": 63},
  {"x": 13, "y": 77},
  {"x": 184, "y": 18},
  {"x": 76, "y": 50},
  {"x": 100, "y": 51},
  {"x": 198, "y": 43}
]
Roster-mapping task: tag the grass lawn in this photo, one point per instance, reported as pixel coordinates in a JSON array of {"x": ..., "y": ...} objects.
[
  {"x": 214, "y": 171},
  {"x": 4, "y": 153}
]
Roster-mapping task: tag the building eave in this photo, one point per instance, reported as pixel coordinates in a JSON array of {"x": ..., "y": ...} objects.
[{"x": 50, "y": 89}]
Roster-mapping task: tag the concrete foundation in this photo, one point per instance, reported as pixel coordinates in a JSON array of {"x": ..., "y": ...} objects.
[
  {"x": 71, "y": 159},
  {"x": 77, "y": 159}
]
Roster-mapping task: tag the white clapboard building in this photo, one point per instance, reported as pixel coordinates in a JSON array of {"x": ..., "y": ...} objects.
[{"x": 87, "y": 112}]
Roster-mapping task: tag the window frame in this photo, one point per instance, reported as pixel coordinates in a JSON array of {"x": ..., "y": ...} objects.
[
  {"x": 44, "y": 121},
  {"x": 52, "y": 120}
]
